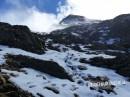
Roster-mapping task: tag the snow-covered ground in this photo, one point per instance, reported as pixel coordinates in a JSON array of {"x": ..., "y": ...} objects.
[{"x": 36, "y": 82}]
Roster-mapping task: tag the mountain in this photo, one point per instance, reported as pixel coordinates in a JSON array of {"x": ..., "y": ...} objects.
[
  {"x": 76, "y": 20},
  {"x": 112, "y": 33},
  {"x": 88, "y": 58}
]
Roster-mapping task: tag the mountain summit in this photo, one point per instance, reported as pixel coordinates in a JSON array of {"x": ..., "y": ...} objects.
[{"x": 76, "y": 20}]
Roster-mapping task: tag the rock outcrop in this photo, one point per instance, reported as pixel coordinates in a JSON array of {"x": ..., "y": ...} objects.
[
  {"x": 49, "y": 67},
  {"x": 121, "y": 64},
  {"x": 20, "y": 37}
]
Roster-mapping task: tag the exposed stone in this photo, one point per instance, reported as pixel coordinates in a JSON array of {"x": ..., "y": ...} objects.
[
  {"x": 8, "y": 89},
  {"x": 20, "y": 37},
  {"x": 80, "y": 82},
  {"x": 40, "y": 95},
  {"x": 83, "y": 60},
  {"x": 82, "y": 67},
  {"x": 92, "y": 88},
  {"x": 49, "y": 67},
  {"x": 76, "y": 95},
  {"x": 53, "y": 89},
  {"x": 121, "y": 64}
]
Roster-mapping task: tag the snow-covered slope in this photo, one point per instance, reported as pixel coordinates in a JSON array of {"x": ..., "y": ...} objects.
[{"x": 39, "y": 83}]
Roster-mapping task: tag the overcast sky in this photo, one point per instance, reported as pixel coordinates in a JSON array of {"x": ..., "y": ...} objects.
[{"x": 42, "y": 15}]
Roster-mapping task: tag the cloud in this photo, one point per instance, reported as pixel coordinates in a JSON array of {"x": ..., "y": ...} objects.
[
  {"x": 64, "y": 10},
  {"x": 38, "y": 21},
  {"x": 34, "y": 19},
  {"x": 99, "y": 9}
]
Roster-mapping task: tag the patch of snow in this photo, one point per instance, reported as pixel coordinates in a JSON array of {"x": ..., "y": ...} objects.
[
  {"x": 75, "y": 34},
  {"x": 110, "y": 41}
]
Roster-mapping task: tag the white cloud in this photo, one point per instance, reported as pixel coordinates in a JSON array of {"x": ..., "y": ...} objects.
[
  {"x": 64, "y": 10},
  {"x": 36, "y": 20},
  {"x": 39, "y": 21},
  {"x": 99, "y": 9},
  {"x": 46, "y": 22}
]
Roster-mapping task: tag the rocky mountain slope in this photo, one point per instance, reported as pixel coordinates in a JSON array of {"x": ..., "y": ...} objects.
[
  {"x": 113, "y": 34},
  {"x": 86, "y": 59}
]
